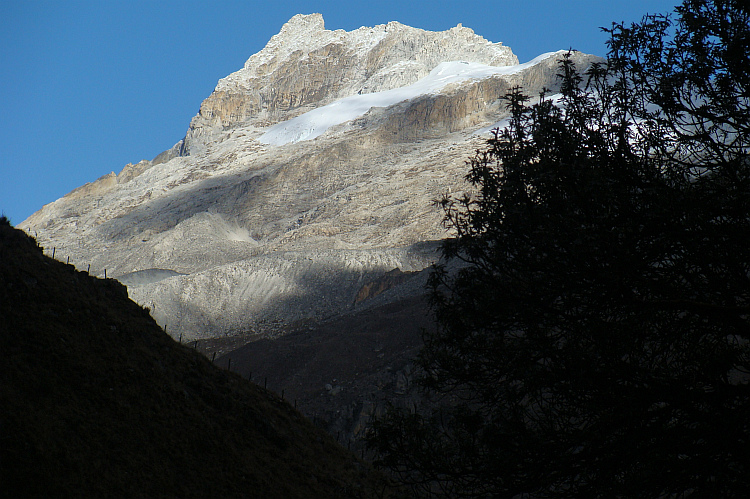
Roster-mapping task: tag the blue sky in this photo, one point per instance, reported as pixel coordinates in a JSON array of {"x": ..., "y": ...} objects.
[{"x": 89, "y": 86}]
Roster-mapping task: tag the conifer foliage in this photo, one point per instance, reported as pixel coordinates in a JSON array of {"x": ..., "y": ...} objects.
[{"x": 594, "y": 340}]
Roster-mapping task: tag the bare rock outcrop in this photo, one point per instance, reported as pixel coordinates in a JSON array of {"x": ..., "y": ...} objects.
[
  {"x": 306, "y": 66},
  {"x": 381, "y": 284}
]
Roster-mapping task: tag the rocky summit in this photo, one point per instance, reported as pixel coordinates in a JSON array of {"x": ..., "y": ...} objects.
[{"x": 305, "y": 180}]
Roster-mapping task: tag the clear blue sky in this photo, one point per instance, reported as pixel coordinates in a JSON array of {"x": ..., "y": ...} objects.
[{"x": 89, "y": 86}]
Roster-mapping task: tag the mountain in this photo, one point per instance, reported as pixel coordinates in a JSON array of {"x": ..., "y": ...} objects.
[
  {"x": 289, "y": 234},
  {"x": 306, "y": 176},
  {"x": 97, "y": 401}
]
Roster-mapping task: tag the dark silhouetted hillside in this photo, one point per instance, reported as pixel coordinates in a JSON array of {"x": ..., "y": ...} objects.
[{"x": 96, "y": 400}]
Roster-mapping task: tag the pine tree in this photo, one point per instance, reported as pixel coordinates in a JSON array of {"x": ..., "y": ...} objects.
[{"x": 593, "y": 331}]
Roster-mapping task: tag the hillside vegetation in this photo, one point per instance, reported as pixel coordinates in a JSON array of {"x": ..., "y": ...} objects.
[{"x": 96, "y": 401}]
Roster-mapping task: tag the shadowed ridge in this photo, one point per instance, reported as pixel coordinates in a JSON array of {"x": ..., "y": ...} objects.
[{"x": 98, "y": 401}]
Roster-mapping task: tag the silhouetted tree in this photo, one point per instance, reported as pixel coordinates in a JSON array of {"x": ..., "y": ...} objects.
[{"x": 593, "y": 339}]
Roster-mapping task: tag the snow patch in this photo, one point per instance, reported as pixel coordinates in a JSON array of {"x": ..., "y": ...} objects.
[{"x": 316, "y": 122}]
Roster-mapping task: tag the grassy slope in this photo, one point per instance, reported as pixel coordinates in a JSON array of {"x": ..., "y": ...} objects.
[{"x": 96, "y": 400}]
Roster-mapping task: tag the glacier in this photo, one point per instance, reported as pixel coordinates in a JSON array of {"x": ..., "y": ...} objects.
[{"x": 315, "y": 123}]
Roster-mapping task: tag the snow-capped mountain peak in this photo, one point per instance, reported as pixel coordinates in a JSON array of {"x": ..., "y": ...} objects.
[{"x": 307, "y": 173}]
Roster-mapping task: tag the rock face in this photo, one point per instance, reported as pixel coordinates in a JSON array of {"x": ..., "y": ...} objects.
[
  {"x": 306, "y": 66},
  {"x": 231, "y": 232}
]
